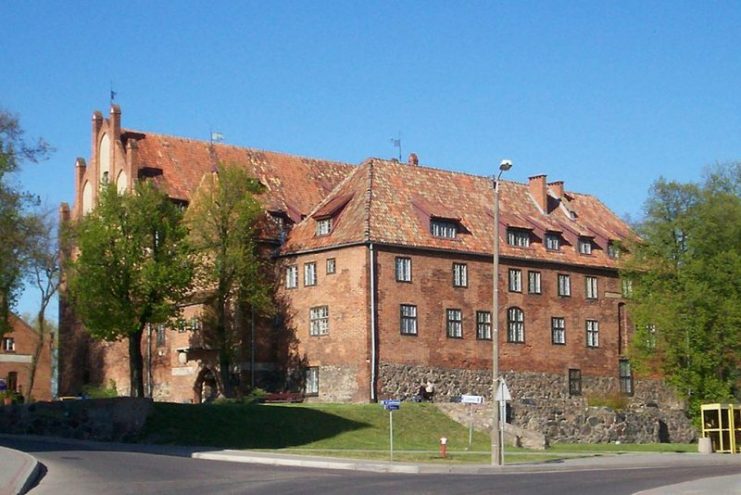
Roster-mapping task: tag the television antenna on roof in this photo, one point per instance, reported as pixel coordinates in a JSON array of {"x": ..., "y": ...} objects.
[{"x": 397, "y": 144}]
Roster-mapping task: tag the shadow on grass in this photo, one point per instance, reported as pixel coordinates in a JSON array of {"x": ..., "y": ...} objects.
[{"x": 238, "y": 426}]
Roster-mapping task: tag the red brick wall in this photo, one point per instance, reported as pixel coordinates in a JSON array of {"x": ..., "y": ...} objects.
[
  {"x": 432, "y": 291},
  {"x": 19, "y": 361}
]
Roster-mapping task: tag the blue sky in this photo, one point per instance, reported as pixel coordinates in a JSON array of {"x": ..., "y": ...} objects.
[{"x": 607, "y": 96}]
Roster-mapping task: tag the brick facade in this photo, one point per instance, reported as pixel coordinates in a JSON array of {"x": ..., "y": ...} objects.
[{"x": 17, "y": 351}]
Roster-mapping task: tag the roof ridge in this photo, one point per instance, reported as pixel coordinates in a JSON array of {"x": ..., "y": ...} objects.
[{"x": 227, "y": 145}]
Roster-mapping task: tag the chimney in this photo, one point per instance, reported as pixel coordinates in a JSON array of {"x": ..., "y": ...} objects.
[
  {"x": 132, "y": 147},
  {"x": 413, "y": 160},
  {"x": 557, "y": 188},
  {"x": 97, "y": 124},
  {"x": 538, "y": 191},
  {"x": 115, "y": 123},
  {"x": 80, "y": 168}
]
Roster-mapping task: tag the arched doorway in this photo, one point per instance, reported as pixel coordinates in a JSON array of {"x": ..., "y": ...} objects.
[{"x": 206, "y": 388}]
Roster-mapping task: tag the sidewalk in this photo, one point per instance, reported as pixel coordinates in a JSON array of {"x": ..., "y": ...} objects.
[{"x": 20, "y": 469}]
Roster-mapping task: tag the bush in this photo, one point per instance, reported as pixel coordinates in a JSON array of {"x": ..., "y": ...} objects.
[
  {"x": 99, "y": 391},
  {"x": 615, "y": 401}
]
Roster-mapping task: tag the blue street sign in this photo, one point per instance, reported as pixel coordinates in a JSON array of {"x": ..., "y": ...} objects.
[{"x": 391, "y": 404}]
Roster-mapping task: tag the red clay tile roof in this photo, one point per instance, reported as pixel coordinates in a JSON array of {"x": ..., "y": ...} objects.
[
  {"x": 294, "y": 184},
  {"x": 388, "y": 196}
]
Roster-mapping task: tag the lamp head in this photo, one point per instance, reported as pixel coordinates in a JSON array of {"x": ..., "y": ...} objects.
[{"x": 505, "y": 165}]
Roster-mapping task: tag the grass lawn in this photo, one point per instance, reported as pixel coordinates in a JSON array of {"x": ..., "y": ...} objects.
[{"x": 348, "y": 430}]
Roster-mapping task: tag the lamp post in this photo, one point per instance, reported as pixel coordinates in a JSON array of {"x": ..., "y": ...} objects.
[{"x": 496, "y": 437}]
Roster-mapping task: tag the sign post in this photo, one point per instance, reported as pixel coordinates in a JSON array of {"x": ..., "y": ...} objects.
[
  {"x": 502, "y": 396},
  {"x": 391, "y": 405},
  {"x": 470, "y": 400}
]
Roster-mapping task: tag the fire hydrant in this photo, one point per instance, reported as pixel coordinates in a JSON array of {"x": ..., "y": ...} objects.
[{"x": 443, "y": 447}]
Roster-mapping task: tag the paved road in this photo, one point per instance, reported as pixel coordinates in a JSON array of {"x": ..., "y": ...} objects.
[{"x": 79, "y": 469}]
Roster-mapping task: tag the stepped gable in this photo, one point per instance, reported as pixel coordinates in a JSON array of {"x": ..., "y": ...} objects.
[
  {"x": 294, "y": 184},
  {"x": 392, "y": 203}
]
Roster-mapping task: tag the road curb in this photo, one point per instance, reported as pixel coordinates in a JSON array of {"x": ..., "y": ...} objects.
[{"x": 20, "y": 471}]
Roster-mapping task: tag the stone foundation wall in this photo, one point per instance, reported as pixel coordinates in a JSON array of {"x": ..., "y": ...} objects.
[
  {"x": 541, "y": 403},
  {"x": 336, "y": 384},
  {"x": 117, "y": 419}
]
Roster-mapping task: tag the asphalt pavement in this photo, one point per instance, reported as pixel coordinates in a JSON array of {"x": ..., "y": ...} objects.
[{"x": 19, "y": 470}]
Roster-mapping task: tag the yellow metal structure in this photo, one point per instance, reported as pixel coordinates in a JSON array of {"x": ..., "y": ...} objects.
[{"x": 722, "y": 424}]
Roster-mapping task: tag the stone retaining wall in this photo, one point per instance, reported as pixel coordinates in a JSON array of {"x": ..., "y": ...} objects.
[
  {"x": 541, "y": 403},
  {"x": 116, "y": 419}
]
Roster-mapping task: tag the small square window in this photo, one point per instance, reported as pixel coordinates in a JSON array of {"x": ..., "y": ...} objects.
[
  {"x": 585, "y": 245},
  {"x": 533, "y": 282},
  {"x": 460, "y": 275},
  {"x": 408, "y": 319},
  {"x": 455, "y": 323},
  {"x": 564, "y": 285},
  {"x": 331, "y": 266},
  {"x": 483, "y": 325},
  {"x": 403, "y": 269},
  {"x": 518, "y": 237},
  {"x": 591, "y": 287},
  {"x": 592, "y": 333},
  {"x": 312, "y": 381},
  {"x": 574, "y": 382},
  {"x": 558, "y": 330},
  {"x": 515, "y": 280},
  {"x": 323, "y": 226},
  {"x": 8, "y": 344},
  {"x": 309, "y": 274},
  {"x": 553, "y": 242},
  {"x": 291, "y": 277}
]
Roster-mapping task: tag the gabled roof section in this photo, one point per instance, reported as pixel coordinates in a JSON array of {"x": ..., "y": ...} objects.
[
  {"x": 391, "y": 203},
  {"x": 293, "y": 184}
]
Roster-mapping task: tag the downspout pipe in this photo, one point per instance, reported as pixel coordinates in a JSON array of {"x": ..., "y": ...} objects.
[{"x": 374, "y": 356}]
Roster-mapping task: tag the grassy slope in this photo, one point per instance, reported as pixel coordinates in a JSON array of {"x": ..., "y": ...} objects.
[{"x": 357, "y": 430}]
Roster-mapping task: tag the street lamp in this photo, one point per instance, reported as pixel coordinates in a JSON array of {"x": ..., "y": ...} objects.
[{"x": 496, "y": 437}]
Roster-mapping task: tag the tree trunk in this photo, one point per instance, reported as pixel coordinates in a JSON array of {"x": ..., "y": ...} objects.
[
  {"x": 36, "y": 353},
  {"x": 224, "y": 361},
  {"x": 136, "y": 363}
]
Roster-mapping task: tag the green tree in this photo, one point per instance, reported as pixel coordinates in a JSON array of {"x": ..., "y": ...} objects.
[
  {"x": 14, "y": 221},
  {"x": 132, "y": 268},
  {"x": 685, "y": 286},
  {"x": 223, "y": 219}
]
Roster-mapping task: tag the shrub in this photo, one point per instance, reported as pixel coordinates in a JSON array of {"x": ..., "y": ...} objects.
[
  {"x": 100, "y": 391},
  {"x": 615, "y": 401}
]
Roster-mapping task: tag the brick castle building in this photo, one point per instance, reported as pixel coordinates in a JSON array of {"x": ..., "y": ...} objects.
[{"x": 383, "y": 277}]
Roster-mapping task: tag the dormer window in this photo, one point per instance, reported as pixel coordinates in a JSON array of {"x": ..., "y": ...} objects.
[
  {"x": 443, "y": 228},
  {"x": 552, "y": 241},
  {"x": 613, "y": 251},
  {"x": 518, "y": 237},
  {"x": 585, "y": 245},
  {"x": 324, "y": 226}
]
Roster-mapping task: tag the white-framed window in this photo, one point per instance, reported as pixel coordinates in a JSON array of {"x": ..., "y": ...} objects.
[
  {"x": 613, "y": 251},
  {"x": 533, "y": 282},
  {"x": 650, "y": 336},
  {"x": 8, "y": 344},
  {"x": 291, "y": 277},
  {"x": 515, "y": 325},
  {"x": 460, "y": 275},
  {"x": 585, "y": 245},
  {"x": 408, "y": 319},
  {"x": 574, "y": 381},
  {"x": 552, "y": 241},
  {"x": 331, "y": 266},
  {"x": 518, "y": 237},
  {"x": 558, "y": 330},
  {"x": 309, "y": 274},
  {"x": 591, "y": 287},
  {"x": 626, "y": 377},
  {"x": 515, "y": 280},
  {"x": 319, "y": 320},
  {"x": 403, "y": 269},
  {"x": 483, "y": 325},
  {"x": 592, "y": 333},
  {"x": 324, "y": 226},
  {"x": 443, "y": 228},
  {"x": 627, "y": 287},
  {"x": 312, "y": 381},
  {"x": 564, "y": 285},
  {"x": 161, "y": 336},
  {"x": 455, "y": 323}
]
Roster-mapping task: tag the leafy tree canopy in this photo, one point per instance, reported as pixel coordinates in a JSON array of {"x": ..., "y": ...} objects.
[{"x": 685, "y": 285}]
